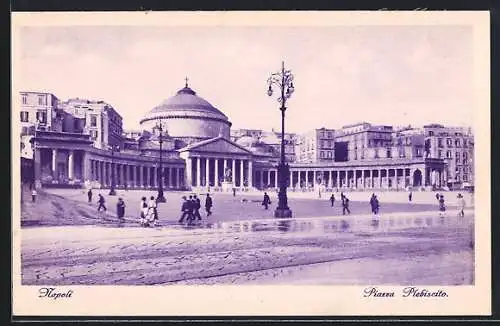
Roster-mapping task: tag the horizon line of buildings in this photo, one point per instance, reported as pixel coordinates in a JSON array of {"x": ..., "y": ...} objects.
[{"x": 357, "y": 144}]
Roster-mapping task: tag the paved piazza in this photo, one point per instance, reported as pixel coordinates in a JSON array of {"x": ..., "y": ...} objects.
[{"x": 242, "y": 244}]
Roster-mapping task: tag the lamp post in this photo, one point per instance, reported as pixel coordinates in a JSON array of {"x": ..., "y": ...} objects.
[
  {"x": 283, "y": 80},
  {"x": 160, "y": 198},
  {"x": 114, "y": 148}
]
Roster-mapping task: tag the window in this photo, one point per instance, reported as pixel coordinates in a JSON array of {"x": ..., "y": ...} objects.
[
  {"x": 440, "y": 154},
  {"x": 464, "y": 155},
  {"x": 93, "y": 134},
  {"x": 449, "y": 142},
  {"x": 24, "y": 116},
  {"x": 457, "y": 142},
  {"x": 419, "y": 152},
  {"x": 41, "y": 117},
  {"x": 41, "y": 100},
  {"x": 25, "y": 99},
  {"x": 329, "y": 134},
  {"x": 440, "y": 142},
  {"x": 448, "y": 154},
  {"x": 389, "y": 153},
  {"x": 431, "y": 133},
  {"x": 465, "y": 177}
]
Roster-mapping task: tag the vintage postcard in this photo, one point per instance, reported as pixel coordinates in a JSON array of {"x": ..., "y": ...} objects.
[{"x": 251, "y": 163}]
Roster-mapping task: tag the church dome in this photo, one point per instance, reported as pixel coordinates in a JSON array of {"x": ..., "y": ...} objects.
[
  {"x": 185, "y": 103},
  {"x": 187, "y": 115}
]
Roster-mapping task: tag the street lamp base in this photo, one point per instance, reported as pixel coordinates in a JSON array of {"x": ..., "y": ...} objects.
[
  {"x": 161, "y": 199},
  {"x": 112, "y": 192},
  {"x": 282, "y": 213}
]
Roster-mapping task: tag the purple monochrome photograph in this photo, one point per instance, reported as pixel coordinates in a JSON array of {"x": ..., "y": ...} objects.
[{"x": 247, "y": 155}]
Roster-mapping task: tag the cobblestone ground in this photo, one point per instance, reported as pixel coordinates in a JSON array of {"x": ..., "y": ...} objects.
[{"x": 401, "y": 248}]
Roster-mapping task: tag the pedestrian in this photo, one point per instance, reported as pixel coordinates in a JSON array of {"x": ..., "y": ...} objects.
[
  {"x": 120, "y": 209},
  {"x": 437, "y": 196},
  {"x": 234, "y": 192},
  {"x": 374, "y": 203},
  {"x": 267, "y": 201},
  {"x": 442, "y": 207},
  {"x": 345, "y": 205},
  {"x": 185, "y": 208},
  {"x": 144, "y": 211},
  {"x": 332, "y": 199},
  {"x": 101, "y": 203},
  {"x": 319, "y": 193},
  {"x": 191, "y": 205},
  {"x": 410, "y": 195},
  {"x": 197, "y": 206},
  {"x": 152, "y": 211},
  {"x": 461, "y": 205},
  {"x": 208, "y": 205},
  {"x": 89, "y": 195},
  {"x": 33, "y": 195}
]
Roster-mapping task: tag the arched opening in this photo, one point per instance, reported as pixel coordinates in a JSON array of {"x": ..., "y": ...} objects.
[{"x": 417, "y": 178}]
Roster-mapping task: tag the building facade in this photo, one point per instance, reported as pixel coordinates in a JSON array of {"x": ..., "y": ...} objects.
[{"x": 200, "y": 152}]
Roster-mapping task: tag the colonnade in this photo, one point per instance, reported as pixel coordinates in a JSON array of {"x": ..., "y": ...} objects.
[
  {"x": 210, "y": 171},
  {"x": 382, "y": 178},
  {"x": 135, "y": 175}
]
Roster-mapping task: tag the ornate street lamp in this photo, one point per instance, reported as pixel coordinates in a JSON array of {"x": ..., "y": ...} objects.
[
  {"x": 114, "y": 148},
  {"x": 160, "y": 198},
  {"x": 283, "y": 80}
]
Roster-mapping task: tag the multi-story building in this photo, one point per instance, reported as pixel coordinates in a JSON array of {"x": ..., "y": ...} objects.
[
  {"x": 364, "y": 141},
  {"x": 238, "y": 133},
  {"x": 316, "y": 146},
  {"x": 455, "y": 145},
  {"x": 96, "y": 118}
]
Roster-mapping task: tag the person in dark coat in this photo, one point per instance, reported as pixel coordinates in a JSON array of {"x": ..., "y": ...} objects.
[
  {"x": 332, "y": 199},
  {"x": 120, "y": 209},
  {"x": 101, "y": 202},
  {"x": 437, "y": 196},
  {"x": 89, "y": 195},
  {"x": 208, "y": 205},
  {"x": 410, "y": 196},
  {"x": 442, "y": 207},
  {"x": 234, "y": 192},
  {"x": 374, "y": 203},
  {"x": 185, "y": 209},
  {"x": 197, "y": 206},
  {"x": 345, "y": 205},
  {"x": 192, "y": 205},
  {"x": 267, "y": 201}
]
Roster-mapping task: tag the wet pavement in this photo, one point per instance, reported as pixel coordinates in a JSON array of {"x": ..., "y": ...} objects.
[{"x": 248, "y": 251}]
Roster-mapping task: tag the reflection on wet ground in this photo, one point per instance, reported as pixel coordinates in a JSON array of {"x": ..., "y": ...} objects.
[{"x": 347, "y": 224}]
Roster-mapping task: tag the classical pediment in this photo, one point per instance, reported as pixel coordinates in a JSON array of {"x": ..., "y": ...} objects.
[{"x": 216, "y": 145}]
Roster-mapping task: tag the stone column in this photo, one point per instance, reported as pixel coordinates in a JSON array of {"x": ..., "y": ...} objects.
[
  {"x": 207, "y": 172},
  {"x": 198, "y": 172},
  {"x": 242, "y": 173},
  {"x": 171, "y": 175},
  {"x": 307, "y": 179},
  {"x": 291, "y": 179},
  {"x": 216, "y": 172},
  {"x": 54, "y": 163},
  {"x": 225, "y": 167},
  {"x": 70, "y": 164},
  {"x": 275, "y": 178},
  {"x": 140, "y": 176},
  {"x": 363, "y": 179},
  {"x": 234, "y": 172},
  {"x": 188, "y": 174},
  {"x": 86, "y": 167},
  {"x": 250, "y": 174},
  {"x": 268, "y": 177},
  {"x": 178, "y": 183}
]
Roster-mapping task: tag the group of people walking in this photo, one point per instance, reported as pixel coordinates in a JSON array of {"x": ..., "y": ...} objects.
[
  {"x": 191, "y": 208},
  {"x": 345, "y": 203}
]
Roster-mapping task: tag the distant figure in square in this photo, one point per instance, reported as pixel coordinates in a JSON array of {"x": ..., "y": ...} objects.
[
  {"x": 437, "y": 196},
  {"x": 461, "y": 205},
  {"x": 319, "y": 193},
  {"x": 345, "y": 205},
  {"x": 267, "y": 201},
  {"x": 191, "y": 205},
  {"x": 33, "y": 195},
  {"x": 374, "y": 203},
  {"x": 144, "y": 211},
  {"x": 234, "y": 192},
  {"x": 442, "y": 207},
  {"x": 197, "y": 206},
  {"x": 89, "y": 195},
  {"x": 332, "y": 199},
  {"x": 120, "y": 209},
  {"x": 410, "y": 195},
  {"x": 152, "y": 211},
  {"x": 101, "y": 202},
  {"x": 208, "y": 205}
]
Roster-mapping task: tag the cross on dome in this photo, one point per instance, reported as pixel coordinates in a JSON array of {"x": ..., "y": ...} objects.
[{"x": 186, "y": 79}]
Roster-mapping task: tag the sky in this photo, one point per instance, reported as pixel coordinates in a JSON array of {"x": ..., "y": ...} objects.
[{"x": 394, "y": 75}]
